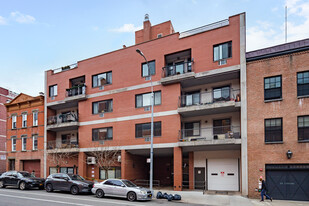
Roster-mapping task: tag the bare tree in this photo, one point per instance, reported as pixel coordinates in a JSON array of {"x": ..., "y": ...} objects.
[{"x": 60, "y": 157}]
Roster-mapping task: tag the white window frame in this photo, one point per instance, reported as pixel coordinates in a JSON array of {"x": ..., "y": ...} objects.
[
  {"x": 53, "y": 90},
  {"x": 24, "y": 120},
  {"x": 35, "y": 121},
  {"x": 14, "y": 120},
  {"x": 14, "y": 145},
  {"x": 24, "y": 144},
  {"x": 35, "y": 138}
]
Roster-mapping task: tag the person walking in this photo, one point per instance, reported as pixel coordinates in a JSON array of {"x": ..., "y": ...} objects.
[{"x": 264, "y": 190}]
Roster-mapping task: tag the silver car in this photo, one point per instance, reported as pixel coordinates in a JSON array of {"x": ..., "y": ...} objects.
[{"x": 121, "y": 188}]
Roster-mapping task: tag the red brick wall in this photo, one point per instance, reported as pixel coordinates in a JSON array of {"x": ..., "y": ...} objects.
[{"x": 289, "y": 108}]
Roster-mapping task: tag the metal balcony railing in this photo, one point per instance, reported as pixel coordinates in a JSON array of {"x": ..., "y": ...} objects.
[
  {"x": 64, "y": 144},
  {"x": 176, "y": 69},
  {"x": 65, "y": 68},
  {"x": 76, "y": 90},
  {"x": 204, "y": 98},
  {"x": 210, "y": 133},
  {"x": 62, "y": 118}
]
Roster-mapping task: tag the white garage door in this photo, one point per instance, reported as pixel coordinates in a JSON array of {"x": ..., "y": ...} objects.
[{"x": 222, "y": 174}]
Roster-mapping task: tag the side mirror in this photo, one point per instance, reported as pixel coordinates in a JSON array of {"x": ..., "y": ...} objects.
[{"x": 123, "y": 186}]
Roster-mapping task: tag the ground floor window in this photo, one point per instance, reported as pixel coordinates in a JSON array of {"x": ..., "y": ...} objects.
[
  {"x": 112, "y": 173},
  {"x": 67, "y": 170},
  {"x": 53, "y": 170}
]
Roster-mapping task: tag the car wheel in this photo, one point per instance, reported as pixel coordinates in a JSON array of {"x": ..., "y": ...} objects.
[
  {"x": 22, "y": 186},
  {"x": 99, "y": 193},
  {"x": 131, "y": 196},
  {"x": 74, "y": 190},
  {"x": 49, "y": 188},
  {"x": 2, "y": 184}
]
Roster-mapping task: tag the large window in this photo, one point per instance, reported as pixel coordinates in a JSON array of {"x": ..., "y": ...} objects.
[
  {"x": 13, "y": 144},
  {"x": 102, "y": 134},
  {"x": 111, "y": 173},
  {"x": 101, "y": 79},
  {"x": 35, "y": 142},
  {"x": 14, "y": 120},
  {"x": 24, "y": 120},
  {"x": 221, "y": 126},
  {"x": 35, "y": 118},
  {"x": 152, "y": 69},
  {"x": 144, "y": 130},
  {"x": 102, "y": 106},
  {"x": 221, "y": 94},
  {"x": 272, "y": 88},
  {"x": 24, "y": 143},
  {"x": 303, "y": 83},
  {"x": 192, "y": 129},
  {"x": 303, "y": 128},
  {"x": 144, "y": 100},
  {"x": 273, "y": 130},
  {"x": 222, "y": 51},
  {"x": 192, "y": 98},
  {"x": 53, "y": 90},
  {"x": 67, "y": 170},
  {"x": 53, "y": 170}
]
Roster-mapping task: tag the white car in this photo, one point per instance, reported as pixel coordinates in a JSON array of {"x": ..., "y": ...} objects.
[{"x": 121, "y": 188}]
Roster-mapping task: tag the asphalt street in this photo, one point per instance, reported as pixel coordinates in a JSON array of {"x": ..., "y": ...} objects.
[{"x": 34, "y": 197}]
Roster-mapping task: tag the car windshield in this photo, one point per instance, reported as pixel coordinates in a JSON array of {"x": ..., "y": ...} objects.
[
  {"x": 76, "y": 177},
  {"x": 26, "y": 174},
  {"x": 128, "y": 183}
]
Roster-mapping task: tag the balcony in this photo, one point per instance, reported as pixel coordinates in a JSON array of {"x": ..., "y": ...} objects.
[
  {"x": 61, "y": 122},
  {"x": 218, "y": 101},
  {"x": 177, "y": 73},
  {"x": 63, "y": 144}
]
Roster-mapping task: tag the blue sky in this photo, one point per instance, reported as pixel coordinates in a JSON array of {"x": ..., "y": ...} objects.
[{"x": 38, "y": 35}]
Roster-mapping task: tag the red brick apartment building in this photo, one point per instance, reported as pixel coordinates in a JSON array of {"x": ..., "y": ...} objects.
[
  {"x": 278, "y": 120},
  {"x": 25, "y": 134},
  {"x": 5, "y": 96},
  {"x": 103, "y": 103}
]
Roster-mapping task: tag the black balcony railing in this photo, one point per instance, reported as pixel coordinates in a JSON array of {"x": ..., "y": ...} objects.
[
  {"x": 178, "y": 68},
  {"x": 76, "y": 90},
  {"x": 210, "y": 133},
  {"x": 63, "y": 144},
  {"x": 62, "y": 118},
  {"x": 205, "y": 98}
]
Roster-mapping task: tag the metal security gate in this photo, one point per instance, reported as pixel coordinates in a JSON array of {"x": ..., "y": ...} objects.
[
  {"x": 32, "y": 165},
  {"x": 288, "y": 182}
]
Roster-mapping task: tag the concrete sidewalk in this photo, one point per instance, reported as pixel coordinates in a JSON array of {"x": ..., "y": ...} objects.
[{"x": 197, "y": 197}]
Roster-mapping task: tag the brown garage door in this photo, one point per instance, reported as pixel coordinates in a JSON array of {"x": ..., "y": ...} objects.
[{"x": 30, "y": 165}]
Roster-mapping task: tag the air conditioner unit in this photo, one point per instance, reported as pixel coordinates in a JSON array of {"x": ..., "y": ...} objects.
[
  {"x": 119, "y": 158},
  {"x": 222, "y": 62},
  {"x": 91, "y": 160}
]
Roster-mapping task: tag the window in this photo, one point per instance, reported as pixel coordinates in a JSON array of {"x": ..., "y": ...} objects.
[
  {"x": 101, "y": 79},
  {"x": 273, "y": 130},
  {"x": 303, "y": 128},
  {"x": 35, "y": 142},
  {"x": 221, "y": 94},
  {"x": 35, "y": 118},
  {"x": 144, "y": 100},
  {"x": 222, "y": 51},
  {"x": 53, "y": 90},
  {"x": 152, "y": 69},
  {"x": 24, "y": 120},
  {"x": 102, "y": 106},
  {"x": 303, "y": 83},
  {"x": 102, "y": 134},
  {"x": 192, "y": 98},
  {"x": 112, "y": 173},
  {"x": 53, "y": 170},
  {"x": 221, "y": 126},
  {"x": 192, "y": 129},
  {"x": 14, "y": 119},
  {"x": 272, "y": 88},
  {"x": 144, "y": 130},
  {"x": 13, "y": 143},
  {"x": 24, "y": 143},
  {"x": 67, "y": 170}
]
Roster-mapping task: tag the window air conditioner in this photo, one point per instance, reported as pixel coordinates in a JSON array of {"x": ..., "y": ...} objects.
[
  {"x": 90, "y": 160},
  {"x": 119, "y": 158},
  {"x": 222, "y": 62}
]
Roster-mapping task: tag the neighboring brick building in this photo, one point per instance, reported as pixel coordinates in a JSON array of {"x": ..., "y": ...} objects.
[
  {"x": 5, "y": 96},
  {"x": 278, "y": 120},
  {"x": 199, "y": 79},
  {"x": 25, "y": 134}
]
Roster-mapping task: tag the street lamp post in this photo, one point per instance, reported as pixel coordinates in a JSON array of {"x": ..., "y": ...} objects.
[{"x": 151, "y": 135}]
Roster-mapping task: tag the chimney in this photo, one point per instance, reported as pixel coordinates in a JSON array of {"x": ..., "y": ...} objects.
[{"x": 147, "y": 28}]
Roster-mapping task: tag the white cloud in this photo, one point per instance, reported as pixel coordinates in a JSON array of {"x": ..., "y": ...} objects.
[
  {"x": 22, "y": 18},
  {"x": 127, "y": 28},
  {"x": 2, "y": 21},
  {"x": 265, "y": 34}
]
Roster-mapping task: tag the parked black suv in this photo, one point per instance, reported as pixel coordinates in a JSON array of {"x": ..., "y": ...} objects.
[
  {"x": 22, "y": 180},
  {"x": 68, "y": 182}
]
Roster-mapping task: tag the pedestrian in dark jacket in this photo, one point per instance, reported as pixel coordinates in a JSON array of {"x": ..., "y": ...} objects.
[{"x": 264, "y": 190}]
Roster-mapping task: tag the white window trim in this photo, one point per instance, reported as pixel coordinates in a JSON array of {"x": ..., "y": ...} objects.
[
  {"x": 35, "y": 122},
  {"x": 23, "y": 147},
  {"x": 24, "y": 118},
  {"x": 33, "y": 137},
  {"x": 14, "y": 117},
  {"x": 13, "y": 150}
]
